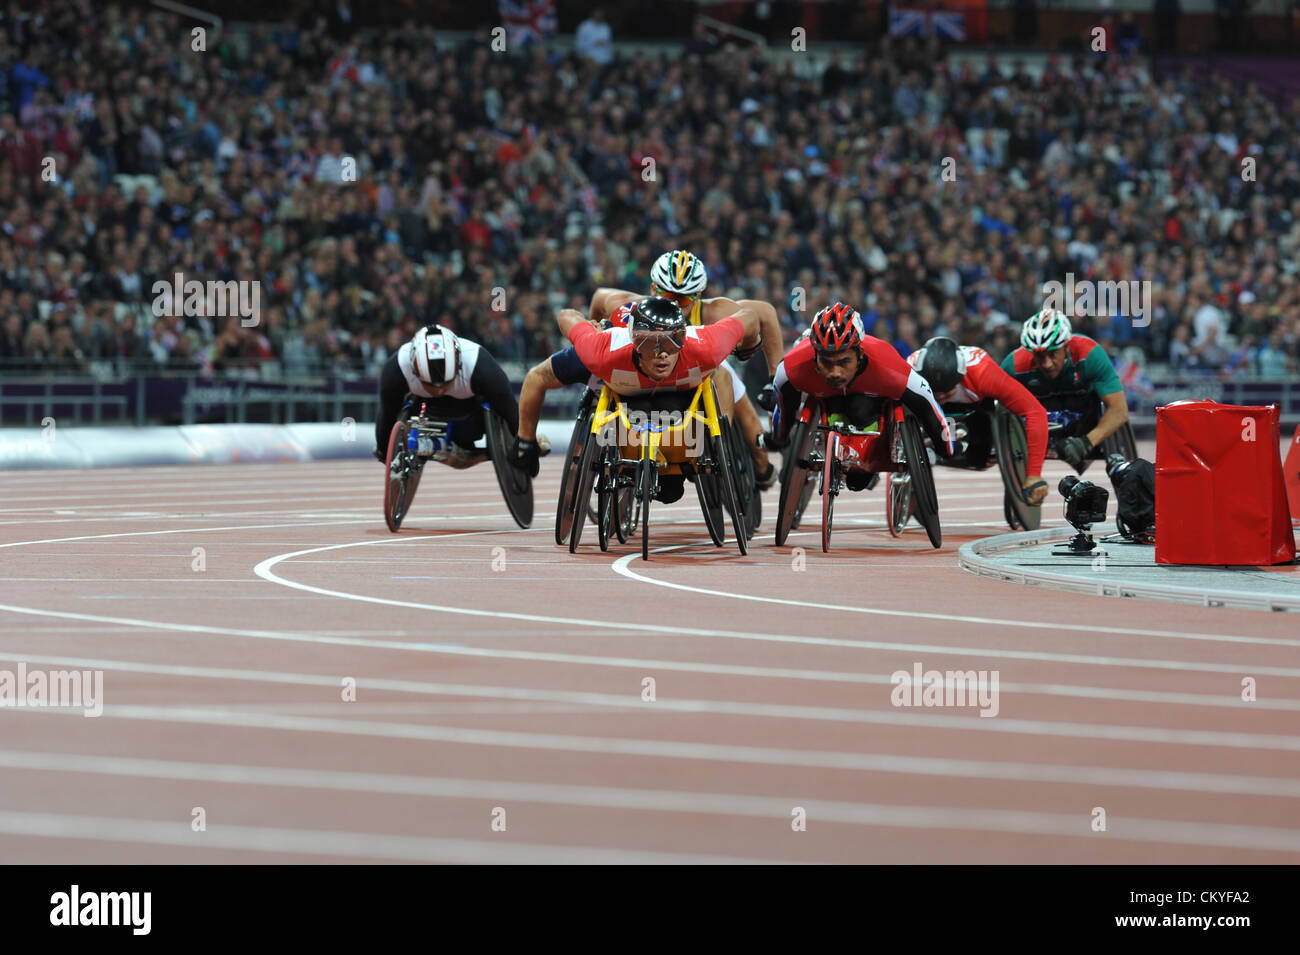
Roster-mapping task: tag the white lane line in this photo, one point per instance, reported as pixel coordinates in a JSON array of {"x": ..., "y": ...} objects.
[
  {"x": 620, "y": 566},
  {"x": 707, "y": 752},
  {"x": 1227, "y": 700},
  {"x": 587, "y": 660},
  {"x": 600, "y": 797},
  {"x": 263, "y": 570},
  {"x": 319, "y": 842}
]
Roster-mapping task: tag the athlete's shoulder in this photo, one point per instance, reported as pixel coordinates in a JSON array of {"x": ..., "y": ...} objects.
[
  {"x": 1021, "y": 361},
  {"x": 974, "y": 355},
  {"x": 1081, "y": 347},
  {"x": 620, "y": 315}
]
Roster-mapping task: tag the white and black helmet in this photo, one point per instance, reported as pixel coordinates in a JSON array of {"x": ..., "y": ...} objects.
[
  {"x": 679, "y": 272},
  {"x": 435, "y": 355},
  {"x": 1045, "y": 330}
]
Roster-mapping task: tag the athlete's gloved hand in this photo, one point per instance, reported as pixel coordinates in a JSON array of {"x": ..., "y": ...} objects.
[
  {"x": 1074, "y": 451},
  {"x": 770, "y": 442},
  {"x": 380, "y": 456},
  {"x": 523, "y": 455},
  {"x": 767, "y": 396}
]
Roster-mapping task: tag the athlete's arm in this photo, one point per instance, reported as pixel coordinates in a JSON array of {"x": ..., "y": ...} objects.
[
  {"x": 888, "y": 374},
  {"x": 1114, "y": 415},
  {"x": 918, "y": 398},
  {"x": 989, "y": 381},
  {"x": 392, "y": 392},
  {"x": 591, "y": 345},
  {"x": 716, "y": 341},
  {"x": 1097, "y": 370},
  {"x": 490, "y": 383},
  {"x": 787, "y": 405},
  {"x": 605, "y": 300},
  {"x": 769, "y": 326},
  {"x": 539, "y": 380}
]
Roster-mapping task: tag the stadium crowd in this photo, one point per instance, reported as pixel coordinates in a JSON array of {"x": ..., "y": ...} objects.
[{"x": 372, "y": 183}]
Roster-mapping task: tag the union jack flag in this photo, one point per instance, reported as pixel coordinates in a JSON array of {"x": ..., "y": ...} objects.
[
  {"x": 527, "y": 21},
  {"x": 911, "y": 21}
]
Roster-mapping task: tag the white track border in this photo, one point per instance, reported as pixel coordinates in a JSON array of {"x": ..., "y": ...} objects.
[{"x": 978, "y": 557}]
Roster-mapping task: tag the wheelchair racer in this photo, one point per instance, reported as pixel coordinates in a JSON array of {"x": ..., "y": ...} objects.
[
  {"x": 964, "y": 377},
  {"x": 681, "y": 278},
  {"x": 656, "y": 361},
  {"x": 853, "y": 373},
  {"x": 452, "y": 377},
  {"x": 1073, "y": 378}
]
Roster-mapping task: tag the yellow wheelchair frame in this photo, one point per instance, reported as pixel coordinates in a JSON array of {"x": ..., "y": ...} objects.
[{"x": 625, "y": 473}]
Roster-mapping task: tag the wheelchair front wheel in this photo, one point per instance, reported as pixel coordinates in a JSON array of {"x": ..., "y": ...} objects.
[{"x": 922, "y": 479}]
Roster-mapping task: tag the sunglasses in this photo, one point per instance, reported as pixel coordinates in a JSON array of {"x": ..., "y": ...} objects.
[
  {"x": 650, "y": 344},
  {"x": 684, "y": 302}
]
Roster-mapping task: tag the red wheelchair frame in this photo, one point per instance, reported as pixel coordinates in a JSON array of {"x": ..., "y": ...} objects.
[{"x": 824, "y": 453}]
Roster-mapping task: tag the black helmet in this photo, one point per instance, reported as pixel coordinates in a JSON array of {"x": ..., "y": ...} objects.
[
  {"x": 942, "y": 364},
  {"x": 656, "y": 314}
]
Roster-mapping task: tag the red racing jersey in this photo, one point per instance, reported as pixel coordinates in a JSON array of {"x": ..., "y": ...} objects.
[
  {"x": 886, "y": 373},
  {"x": 609, "y": 355},
  {"x": 984, "y": 379}
]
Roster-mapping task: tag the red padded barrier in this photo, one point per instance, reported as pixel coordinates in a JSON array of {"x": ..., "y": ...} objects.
[
  {"x": 1292, "y": 469},
  {"x": 1220, "y": 494}
]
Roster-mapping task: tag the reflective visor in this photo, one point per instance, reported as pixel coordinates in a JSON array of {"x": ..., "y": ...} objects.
[
  {"x": 684, "y": 302},
  {"x": 651, "y": 343}
]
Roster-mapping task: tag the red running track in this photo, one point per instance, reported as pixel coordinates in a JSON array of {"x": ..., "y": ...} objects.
[{"x": 500, "y": 679}]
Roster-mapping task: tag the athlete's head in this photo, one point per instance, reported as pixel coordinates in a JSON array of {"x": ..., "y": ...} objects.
[
  {"x": 658, "y": 330},
  {"x": 941, "y": 363},
  {"x": 836, "y": 335},
  {"x": 1045, "y": 335},
  {"x": 435, "y": 356},
  {"x": 679, "y": 277}
]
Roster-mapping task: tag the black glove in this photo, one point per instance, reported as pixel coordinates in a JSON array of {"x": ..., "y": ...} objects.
[
  {"x": 767, "y": 396},
  {"x": 523, "y": 455},
  {"x": 1074, "y": 451},
  {"x": 771, "y": 442},
  {"x": 380, "y": 456}
]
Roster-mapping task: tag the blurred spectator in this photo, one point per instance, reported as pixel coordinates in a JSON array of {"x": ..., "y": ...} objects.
[
  {"x": 527, "y": 173},
  {"x": 594, "y": 39}
]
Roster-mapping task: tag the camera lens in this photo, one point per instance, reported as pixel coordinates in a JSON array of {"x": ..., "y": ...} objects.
[{"x": 1067, "y": 485}]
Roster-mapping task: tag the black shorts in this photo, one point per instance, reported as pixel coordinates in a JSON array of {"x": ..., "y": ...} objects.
[
  {"x": 861, "y": 410},
  {"x": 567, "y": 368}
]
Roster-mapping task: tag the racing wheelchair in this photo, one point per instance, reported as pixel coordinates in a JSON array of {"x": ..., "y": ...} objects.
[
  {"x": 1059, "y": 424},
  {"x": 418, "y": 437},
  {"x": 820, "y": 455},
  {"x": 618, "y": 454}
]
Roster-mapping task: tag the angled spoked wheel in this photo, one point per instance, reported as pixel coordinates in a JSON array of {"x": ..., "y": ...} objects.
[
  {"x": 922, "y": 479},
  {"x": 797, "y": 474},
  {"x": 516, "y": 486},
  {"x": 747, "y": 476},
  {"x": 402, "y": 478},
  {"x": 568, "y": 506},
  {"x": 830, "y": 486},
  {"x": 1013, "y": 460},
  {"x": 646, "y": 480},
  {"x": 584, "y": 478},
  {"x": 899, "y": 502},
  {"x": 708, "y": 486},
  {"x": 728, "y": 478}
]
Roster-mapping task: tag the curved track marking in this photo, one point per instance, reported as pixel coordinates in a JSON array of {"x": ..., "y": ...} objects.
[{"x": 620, "y": 566}]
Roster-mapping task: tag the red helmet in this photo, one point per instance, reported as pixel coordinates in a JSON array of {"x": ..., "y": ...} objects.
[{"x": 836, "y": 328}]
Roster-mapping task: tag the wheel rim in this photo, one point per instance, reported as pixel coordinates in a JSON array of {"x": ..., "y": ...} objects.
[{"x": 568, "y": 487}]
